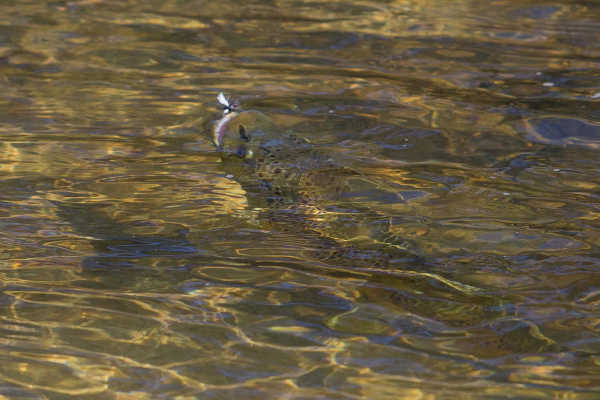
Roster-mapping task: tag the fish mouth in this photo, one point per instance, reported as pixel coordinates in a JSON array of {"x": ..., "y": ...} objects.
[{"x": 221, "y": 127}]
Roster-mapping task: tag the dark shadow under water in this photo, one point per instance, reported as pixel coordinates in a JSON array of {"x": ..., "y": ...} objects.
[{"x": 116, "y": 248}]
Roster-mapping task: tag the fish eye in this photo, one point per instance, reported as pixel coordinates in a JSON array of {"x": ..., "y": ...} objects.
[
  {"x": 241, "y": 151},
  {"x": 242, "y": 132}
]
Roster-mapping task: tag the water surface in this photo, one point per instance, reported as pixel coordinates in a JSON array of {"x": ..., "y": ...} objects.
[{"x": 133, "y": 265}]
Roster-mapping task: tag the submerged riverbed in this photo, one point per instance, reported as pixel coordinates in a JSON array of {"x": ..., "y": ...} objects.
[{"x": 463, "y": 264}]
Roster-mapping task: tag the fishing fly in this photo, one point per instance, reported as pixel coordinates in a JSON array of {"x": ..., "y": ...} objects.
[{"x": 228, "y": 104}]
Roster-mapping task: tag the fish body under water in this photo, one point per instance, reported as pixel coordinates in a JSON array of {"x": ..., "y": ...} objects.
[{"x": 291, "y": 180}]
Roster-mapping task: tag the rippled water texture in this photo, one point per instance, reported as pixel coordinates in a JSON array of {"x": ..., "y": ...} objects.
[{"x": 460, "y": 261}]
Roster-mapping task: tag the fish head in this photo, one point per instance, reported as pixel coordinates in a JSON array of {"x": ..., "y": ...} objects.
[{"x": 241, "y": 133}]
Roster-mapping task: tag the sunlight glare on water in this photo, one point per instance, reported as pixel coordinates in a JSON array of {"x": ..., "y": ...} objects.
[{"x": 419, "y": 219}]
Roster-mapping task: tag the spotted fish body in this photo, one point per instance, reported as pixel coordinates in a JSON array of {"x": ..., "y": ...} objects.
[
  {"x": 284, "y": 167},
  {"x": 296, "y": 184}
]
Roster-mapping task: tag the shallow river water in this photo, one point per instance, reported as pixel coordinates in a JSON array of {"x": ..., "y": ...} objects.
[{"x": 461, "y": 259}]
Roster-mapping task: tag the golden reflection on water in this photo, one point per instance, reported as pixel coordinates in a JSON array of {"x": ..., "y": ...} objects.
[{"x": 461, "y": 264}]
